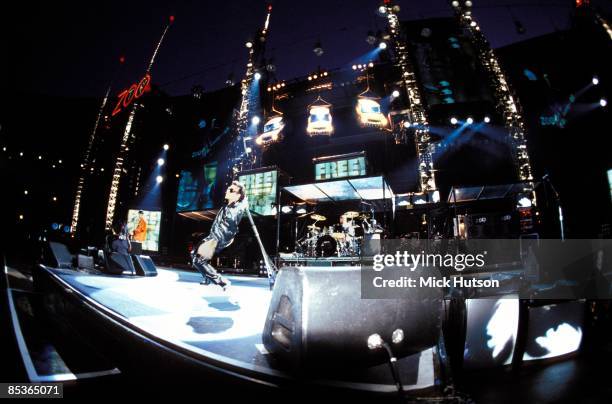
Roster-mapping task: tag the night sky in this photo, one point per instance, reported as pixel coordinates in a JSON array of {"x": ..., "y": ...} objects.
[{"x": 70, "y": 48}]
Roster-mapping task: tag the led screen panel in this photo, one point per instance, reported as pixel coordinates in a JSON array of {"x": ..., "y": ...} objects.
[
  {"x": 143, "y": 227},
  {"x": 261, "y": 191},
  {"x": 353, "y": 167},
  {"x": 197, "y": 189}
]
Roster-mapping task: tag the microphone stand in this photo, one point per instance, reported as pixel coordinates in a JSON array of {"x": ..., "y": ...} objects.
[{"x": 546, "y": 178}]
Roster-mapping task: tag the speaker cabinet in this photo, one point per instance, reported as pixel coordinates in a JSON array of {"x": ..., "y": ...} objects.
[
  {"x": 144, "y": 265},
  {"x": 317, "y": 318}
]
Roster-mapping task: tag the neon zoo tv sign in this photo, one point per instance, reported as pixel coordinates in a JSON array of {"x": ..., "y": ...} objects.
[{"x": 135, "y": 91}]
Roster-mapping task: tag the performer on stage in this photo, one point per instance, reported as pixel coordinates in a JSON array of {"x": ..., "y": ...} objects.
[{"x": 222, "y": 233}]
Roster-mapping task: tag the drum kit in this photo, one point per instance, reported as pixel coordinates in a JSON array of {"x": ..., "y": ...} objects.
[{"x": 339, "y": 240}]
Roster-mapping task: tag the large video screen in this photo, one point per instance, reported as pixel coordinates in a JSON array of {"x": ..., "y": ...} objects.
[
  {"x": 261, "y": 191},
  {"x": 143, "y": 227},
  {"x": 353, "y": 167},
  {"x": 197, "y": 188}
]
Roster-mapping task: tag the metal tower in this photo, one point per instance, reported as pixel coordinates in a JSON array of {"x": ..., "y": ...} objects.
[
  {"x": 123, "y": 148},
  {"x": 242, "y": 156},
  {"x": 506, "y": 103},
  {"x": 417, "y": 116}
]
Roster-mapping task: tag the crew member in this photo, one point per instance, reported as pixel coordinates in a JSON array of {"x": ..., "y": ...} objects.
[{"x": 222, "y": 233}]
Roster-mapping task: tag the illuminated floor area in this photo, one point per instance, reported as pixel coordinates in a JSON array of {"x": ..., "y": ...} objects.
[{"x": 175, "y": 307}]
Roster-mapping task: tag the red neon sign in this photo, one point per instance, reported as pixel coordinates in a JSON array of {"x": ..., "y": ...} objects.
[{"x": 126, "y": 97}]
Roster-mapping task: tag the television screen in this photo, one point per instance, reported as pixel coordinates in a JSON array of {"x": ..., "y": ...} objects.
[
  {"x": 352, "y": 167},
  {"x": 143, "y": 227},
  {"x": 260, "y": 190},
  {"x": 196, "y": 189}
]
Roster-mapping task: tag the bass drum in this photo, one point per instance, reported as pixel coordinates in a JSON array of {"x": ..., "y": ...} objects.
[{"x": 326, "y": 246}]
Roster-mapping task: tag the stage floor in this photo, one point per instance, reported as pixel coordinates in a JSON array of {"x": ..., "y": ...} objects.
[{"x": 175, "y": 307}]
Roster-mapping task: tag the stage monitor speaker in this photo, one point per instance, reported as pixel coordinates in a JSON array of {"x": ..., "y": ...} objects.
[
  {"x": 317, "y": 319},
  {"x": 144, "y": 265},
  {"x": 57, "y": 255},
  {"x": 136, "y": 247}
]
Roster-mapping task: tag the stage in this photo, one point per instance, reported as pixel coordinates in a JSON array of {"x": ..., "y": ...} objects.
[{"x": 185, "y": 318}]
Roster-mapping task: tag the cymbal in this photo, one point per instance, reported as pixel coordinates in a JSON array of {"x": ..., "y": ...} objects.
[
  {"x": 351, "y": 214},
  {"x": 313, "y": 227},
  {"x": 317, "y": 217}
]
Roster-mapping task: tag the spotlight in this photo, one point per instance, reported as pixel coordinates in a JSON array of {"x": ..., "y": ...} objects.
[
  {"x": 248, "y": 150},
  {"x": 40, "y": 157},
  {"x": 257, "y": 76},
  {"x": 166, "y": 146},
  {"x": 25, "y": 192},
  {"x": 286, "y": 209},
  {"x": 406, "y": 124},
  {"x": 453, "y": 120},
  {"x": 354, "y": 67},
  {"x": 255, "y": 120},
  {"x": 300, "y": 211},
  {"x": 159, "y": 179},
  {"x": 395, "y": 93},
  {"x": 468, "y": 3},
  {"x": 595, "y": 80},
  {"x": 487, "y": 119},
  {"x": 371, "y": 38},
  {"x": 160, "y": 162},
  {"x": 470, "y": 120},
  {"x": 318, "y": 48},
  {"x": 382, "y": 10},
  {"x": 603, "y": 102},
  {"x": 55, "y": 199},
  {"x": 249, "y": 44},
  {"x": 20, "y": 217},
  {"x": 382, "y": 45},
  {"x": 455, "y": 4}
]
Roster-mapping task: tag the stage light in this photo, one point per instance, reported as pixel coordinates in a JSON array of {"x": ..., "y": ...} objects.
[
  {"x": 455, "y": 4},
  {"x": 468, "y": 3},
  {"x": 159, "y": 179},
  {"x": 371, "y": 38},
  {"x": 595, "y": 80},
  {"x": 382, "y": 45},
  {"x": 176, "y": 175},
  {"x": 249, "y": 44},
  {"x": 354, "y": 68},
  {"x": 300, "y": 211},
  {"x": 487, "y": 119},
  {"x": 406, "y": 124},
  {"x": 55, "y": 199},
  {"x": 453, "y": 121},
  {"x": 397, "y": 336},
  {"x": 4, "y": 149},
  {"x": 40, "y": 157},
  {"x": 395, "y": 93},
  {"x": 102, "y": 169},
  {"x": 53, "y": 166},
  {"x": 160, "y": 162},
  {"x": 25, "y": 192},
  {"x": 248, "y": 150},
  {"x": 603, "y": 102},
  {"x": 20, "y": 217},
  {"x": 473, "y": 24},
  {"x": 318, "y": 48},
  {"x": 20, "y": 154},
  {"x": 255, "y": 120},
  {"x": 166, "y": 146},
  {"x": 524, "y": 202},
  {"x": 257, "y": 76},
  {"x": 470, "y": 120},
  {"x": 382, "y": 10},
  {"x": 286, "y": 209},
  {"x": 374, "y": 341},
  {"x": 59, "y": 161}
]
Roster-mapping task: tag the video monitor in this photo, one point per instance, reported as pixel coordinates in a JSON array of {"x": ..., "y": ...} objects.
[
  {"x": 196, "y": 189},
  {"x": 351, "y": 167},
  {"x": 260, "y": 190},
  {"x": 143, "y": 227}
]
